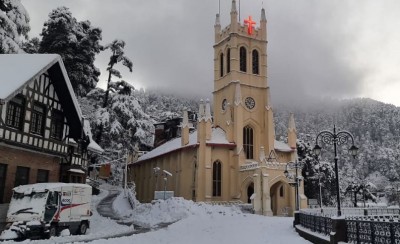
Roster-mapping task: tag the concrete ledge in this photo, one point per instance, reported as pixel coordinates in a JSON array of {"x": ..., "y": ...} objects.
[{"x": 313, "y": 237}]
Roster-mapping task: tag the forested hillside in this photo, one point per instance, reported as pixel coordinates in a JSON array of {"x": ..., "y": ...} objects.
[{"x": 376, "y": 129}]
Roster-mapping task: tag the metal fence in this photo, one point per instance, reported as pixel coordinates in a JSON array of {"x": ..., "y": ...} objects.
[
  {"x": 382, "y": 226},
  {"x": 373, "y": 229},
  {"x": 353, "y": 211},
  {"x": 316, "y": 223}
]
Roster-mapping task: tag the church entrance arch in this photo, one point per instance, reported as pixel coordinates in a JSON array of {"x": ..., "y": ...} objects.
[
  {"x": 250, "y": 191},
  {"x": 280, "y": 200}
]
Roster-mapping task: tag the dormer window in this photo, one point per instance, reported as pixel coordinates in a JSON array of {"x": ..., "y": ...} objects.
[
  {"x": 15, "y": 112},
  {"x": 57, "y": 125},
  {"x": 37, "y": 119}
]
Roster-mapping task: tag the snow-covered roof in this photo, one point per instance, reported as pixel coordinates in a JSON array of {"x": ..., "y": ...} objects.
[
  {"x": 18, "y": 69},
  {"x": 93, "y": 146},
  {"x": 283, "y": 147},
  {"x": 41, "y": 187},
  {"x": 218, "y": 136},
  {"x": 79, "y": 171},
  {"x": 169, "y": 146}
]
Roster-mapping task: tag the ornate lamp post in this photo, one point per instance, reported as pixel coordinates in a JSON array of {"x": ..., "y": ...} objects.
[
  {"x": 335, "y": 139},
  {"x": 294, "y": 165}
]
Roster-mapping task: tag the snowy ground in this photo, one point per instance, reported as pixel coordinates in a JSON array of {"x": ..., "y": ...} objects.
[{"x": 192, "y": 223}]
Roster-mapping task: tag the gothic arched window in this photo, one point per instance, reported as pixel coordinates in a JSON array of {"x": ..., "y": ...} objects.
[
  {"x": 248, "y": 142},
  {"x": 255, "y": 62},
  {"x": 281, "y": 191},
  {"x": 217, "y": 173},
  {"x": 243, "y": 60},
  {"x": 221, "y": 64},
  {"x": 228, "y": 60}
]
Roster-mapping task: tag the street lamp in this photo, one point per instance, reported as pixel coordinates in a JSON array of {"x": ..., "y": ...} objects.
[
  {"x": 294, "y": 165},
  {"x": 320, "y": 174},
  {"x": 335, "y": 139},
  {"x": 166, "y": 174},
  {"x": 156, "y": 172}
]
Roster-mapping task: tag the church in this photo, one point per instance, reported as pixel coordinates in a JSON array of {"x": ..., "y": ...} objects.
[{"x": 232, "y": 156}]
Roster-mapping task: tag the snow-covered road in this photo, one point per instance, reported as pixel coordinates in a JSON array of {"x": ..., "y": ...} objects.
[{"x": 192, "y": 223}]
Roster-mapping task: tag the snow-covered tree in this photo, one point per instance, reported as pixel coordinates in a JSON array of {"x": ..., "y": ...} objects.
[
  {"x": 14, "y": 24},
  {"x": 78, "y": 43},
  {"x": 121, "y": 87},
  {"x": 31, "y": 46}
]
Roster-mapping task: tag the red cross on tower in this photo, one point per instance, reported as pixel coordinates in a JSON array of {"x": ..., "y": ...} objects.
[{"x": 249, "y": 22}]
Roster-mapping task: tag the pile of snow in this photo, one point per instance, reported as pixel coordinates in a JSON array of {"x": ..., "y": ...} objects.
[
  {"x": 202, "y": 223},
  {"x": 191, "y": 223},
  {"x": 168, "y": 211}
]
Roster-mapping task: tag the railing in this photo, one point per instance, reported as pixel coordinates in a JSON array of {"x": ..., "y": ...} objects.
[
  {"x": 315, "y": 223},
  {"x": 353, "y": 211},
  {"x": 376, "y": 229},
  {"x": 366, "y": 226}
]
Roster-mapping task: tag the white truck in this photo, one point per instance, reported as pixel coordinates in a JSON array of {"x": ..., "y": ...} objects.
[{"x": 45, "y": 209}]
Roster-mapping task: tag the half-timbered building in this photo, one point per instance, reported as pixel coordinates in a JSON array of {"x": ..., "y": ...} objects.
[{"x": 43, "y": 136}]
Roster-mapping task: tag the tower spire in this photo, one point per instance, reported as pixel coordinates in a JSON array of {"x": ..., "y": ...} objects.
[
  {"x": 263, "y": 17},
  {"x": 217, "y": 21},
  {"x": 201, "y": 110},
  {"x": 233, "y": 9},
  {"x": 234, "y": 17},
  {"x": 292, "y": 125},
  {"x": 292, "y": 137},
  {"x": 207, "y": 110}
]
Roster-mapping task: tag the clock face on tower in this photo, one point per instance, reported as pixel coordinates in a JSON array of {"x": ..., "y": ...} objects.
[
  {"x": 224, "y": 103},
  {"x": 249, "y": 102}
]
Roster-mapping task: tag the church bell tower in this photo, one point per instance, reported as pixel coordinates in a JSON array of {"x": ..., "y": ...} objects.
[{"x": 241, "y": 94}]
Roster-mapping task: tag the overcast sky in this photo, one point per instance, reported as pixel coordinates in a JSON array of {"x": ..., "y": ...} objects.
[{"x": 316, "y": 48}]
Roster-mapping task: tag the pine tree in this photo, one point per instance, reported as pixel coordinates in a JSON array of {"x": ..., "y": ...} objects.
[
  {"x": 77, "y": 43},
  {"x": 31, "y": 46},
  {"x": 14, "y": 24},
  {"x": 122, "y": 87}
]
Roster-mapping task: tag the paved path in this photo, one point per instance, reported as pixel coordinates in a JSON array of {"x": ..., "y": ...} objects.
[{"x": 105, "y": 209}]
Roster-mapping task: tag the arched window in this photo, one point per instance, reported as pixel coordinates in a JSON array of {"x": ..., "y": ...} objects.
[
  {"x": 221, "y": 64},
  {"x": 255, "y": 62},
  {"x": 228, "y": 60},
  {"x": 243, "y": 59},
  {"x": 281, "y": 191},
  {"x": 248, "y": 141},
  {"x": 217, "y": 168}
]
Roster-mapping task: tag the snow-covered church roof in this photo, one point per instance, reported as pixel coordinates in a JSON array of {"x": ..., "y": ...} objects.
[
  {"x": 18, "y": 70},
  {"x": 218, "y": 137},
  {"x": 282, "y": 147}
]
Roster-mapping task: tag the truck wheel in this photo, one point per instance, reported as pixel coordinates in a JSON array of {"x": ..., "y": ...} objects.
[
  {"x": 82, "y": 228},
  {"x": 52, "y": 231}
]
